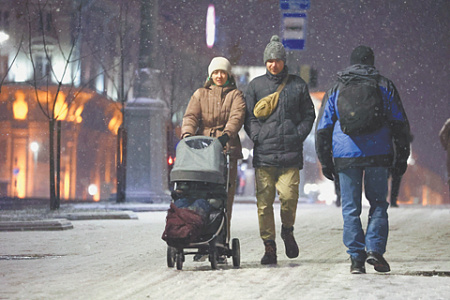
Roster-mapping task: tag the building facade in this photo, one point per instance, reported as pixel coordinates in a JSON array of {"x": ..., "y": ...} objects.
[{"x": 57, "y": 66}]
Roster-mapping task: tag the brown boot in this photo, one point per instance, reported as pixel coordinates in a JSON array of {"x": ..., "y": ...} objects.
[
  {"x": 270, "y": 256},
  {"x": 289, "y": 242}
]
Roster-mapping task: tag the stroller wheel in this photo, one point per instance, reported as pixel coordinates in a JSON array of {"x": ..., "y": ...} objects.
[
  {"x": 171, "y": 254},
  {"x": 236, "y": 252},
  {"x": 180, "y": 260}
]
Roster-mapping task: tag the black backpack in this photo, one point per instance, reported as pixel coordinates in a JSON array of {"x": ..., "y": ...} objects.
[{"x": 360, "y": 106}]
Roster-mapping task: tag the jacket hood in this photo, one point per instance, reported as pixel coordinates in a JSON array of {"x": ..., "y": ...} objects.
[{"x": 357, "y": 71}]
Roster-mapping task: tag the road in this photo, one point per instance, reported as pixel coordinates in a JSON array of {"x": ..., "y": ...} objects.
[{"x": 126, "y": 259}]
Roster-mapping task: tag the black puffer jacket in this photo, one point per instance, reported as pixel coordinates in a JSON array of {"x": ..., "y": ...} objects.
[{"x": 279, "y": 139}]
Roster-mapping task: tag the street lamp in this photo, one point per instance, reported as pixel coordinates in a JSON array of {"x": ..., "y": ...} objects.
[
  {"x": 34, "y": 146},
  {"x": 3, "y": 36}
]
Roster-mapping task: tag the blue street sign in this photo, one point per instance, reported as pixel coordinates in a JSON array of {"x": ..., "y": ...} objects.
[
  {"x": 295, "y": 4},
  {"x": 294, "y": 30}
]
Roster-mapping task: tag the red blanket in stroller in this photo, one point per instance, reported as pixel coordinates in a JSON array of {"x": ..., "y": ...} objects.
[{"x": 183, "y": 226}]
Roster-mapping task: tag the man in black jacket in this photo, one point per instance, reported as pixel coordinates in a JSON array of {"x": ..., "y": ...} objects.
[{"x": 278, "y": 147}]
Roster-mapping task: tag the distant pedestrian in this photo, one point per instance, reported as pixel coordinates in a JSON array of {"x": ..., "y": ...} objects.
[
  {"x": 364, "y": 154},
  {"x": 218, "y": 110},
  {"x": 444, "y": 136},
  {"x": 280, "y": 115}
]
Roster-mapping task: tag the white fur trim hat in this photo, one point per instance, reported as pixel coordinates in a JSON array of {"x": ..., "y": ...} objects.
[{"x": 219, "y": 63}]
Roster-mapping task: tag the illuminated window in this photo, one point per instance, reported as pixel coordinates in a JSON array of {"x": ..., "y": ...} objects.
[
  {"x": 45, "y": 21},
  {"x": 20, "y": 106},
  {"x": 42, "y": 66}
]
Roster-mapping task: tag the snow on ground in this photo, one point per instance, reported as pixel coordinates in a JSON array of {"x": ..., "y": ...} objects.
[{"x": 126, "y": 259}]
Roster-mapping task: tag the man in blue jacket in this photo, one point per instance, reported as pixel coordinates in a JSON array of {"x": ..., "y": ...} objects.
[
  {"x": 363, "y": 159},
  {"x": 278, "y": 146}
]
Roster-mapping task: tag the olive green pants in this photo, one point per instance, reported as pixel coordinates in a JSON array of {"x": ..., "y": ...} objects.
[{"x": 285, "y": 181}]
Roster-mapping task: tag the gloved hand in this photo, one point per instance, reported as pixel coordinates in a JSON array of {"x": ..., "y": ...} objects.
[
  {"x": 328, "y": 172},
  {"x": 399, "y": 168},
  {"x": 224, "y": 139}
]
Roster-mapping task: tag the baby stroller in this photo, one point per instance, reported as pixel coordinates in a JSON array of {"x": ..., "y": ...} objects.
[{"x": 197, "y": 219}]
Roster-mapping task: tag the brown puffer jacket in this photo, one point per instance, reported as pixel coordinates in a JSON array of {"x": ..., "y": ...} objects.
[{"x": 213, "y": 111}]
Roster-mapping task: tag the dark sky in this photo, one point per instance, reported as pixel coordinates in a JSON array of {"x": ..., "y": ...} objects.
[{"x": 410, "y": 38}]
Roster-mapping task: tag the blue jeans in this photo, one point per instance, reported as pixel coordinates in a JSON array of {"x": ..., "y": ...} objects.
[{"x": 376, "y": 189}]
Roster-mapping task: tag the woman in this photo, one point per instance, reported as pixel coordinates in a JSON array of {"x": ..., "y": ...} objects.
[{"x": 218, "y": 110}]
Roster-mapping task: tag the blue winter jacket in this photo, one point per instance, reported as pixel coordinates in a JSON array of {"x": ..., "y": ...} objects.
[{"x": 379, "y": 148}]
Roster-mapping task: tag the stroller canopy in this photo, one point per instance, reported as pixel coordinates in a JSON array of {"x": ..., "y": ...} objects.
[{"x": 199, "y": 158}]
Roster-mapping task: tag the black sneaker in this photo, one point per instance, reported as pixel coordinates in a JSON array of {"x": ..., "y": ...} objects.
[
  {"x": 378, "y": 262},
  {"x": 200, "y": 257},
  {"x": 289, "y": 242},
  {"x": 270, "y": 256},
  {"x": 357, "y": 267}
]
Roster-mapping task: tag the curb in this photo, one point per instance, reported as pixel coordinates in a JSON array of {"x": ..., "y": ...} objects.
[
  {"x": 116, "y": 215},
  {"x": 56, "y": 224},
  {"x": 62, "y": 221}
]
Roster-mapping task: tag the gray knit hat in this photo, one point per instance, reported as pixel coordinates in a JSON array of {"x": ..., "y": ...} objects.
[{"x": 274, "y": 50}]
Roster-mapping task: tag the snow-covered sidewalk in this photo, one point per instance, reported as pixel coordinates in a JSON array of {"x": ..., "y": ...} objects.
[{"x": 126, "y": 259}]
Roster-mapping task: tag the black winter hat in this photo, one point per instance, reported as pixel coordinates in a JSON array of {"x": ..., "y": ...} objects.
[{"x": 362, "y": 55}]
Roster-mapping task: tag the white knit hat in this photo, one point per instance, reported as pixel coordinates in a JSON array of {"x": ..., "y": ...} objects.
[{"x": 219, "y": 63}]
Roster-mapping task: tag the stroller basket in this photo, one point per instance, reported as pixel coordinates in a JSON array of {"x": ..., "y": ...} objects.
[{"x": 199, "y": 158}]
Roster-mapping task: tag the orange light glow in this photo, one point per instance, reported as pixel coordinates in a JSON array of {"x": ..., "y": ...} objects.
[
  {"x": 77, "y": 115},
  {"x": 66, "y": 185},
  {"x": 20, "y": 106},
  {"x": 20, "y": 167},
  {"x": 115, "y": 122},
  {"x": 24, "y": 172},
  {"x": 61, "y": 106},
  {"x": 317, "y": 95}
]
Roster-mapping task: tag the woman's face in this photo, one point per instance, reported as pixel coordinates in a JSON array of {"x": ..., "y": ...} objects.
[{"x": 219, "y": 77}]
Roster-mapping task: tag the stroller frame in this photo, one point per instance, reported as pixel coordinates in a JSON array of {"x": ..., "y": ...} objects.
[{"x": 214, "y": 243}]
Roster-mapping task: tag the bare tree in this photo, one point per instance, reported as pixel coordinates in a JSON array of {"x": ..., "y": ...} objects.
[{"x": 44, "y": 44}]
